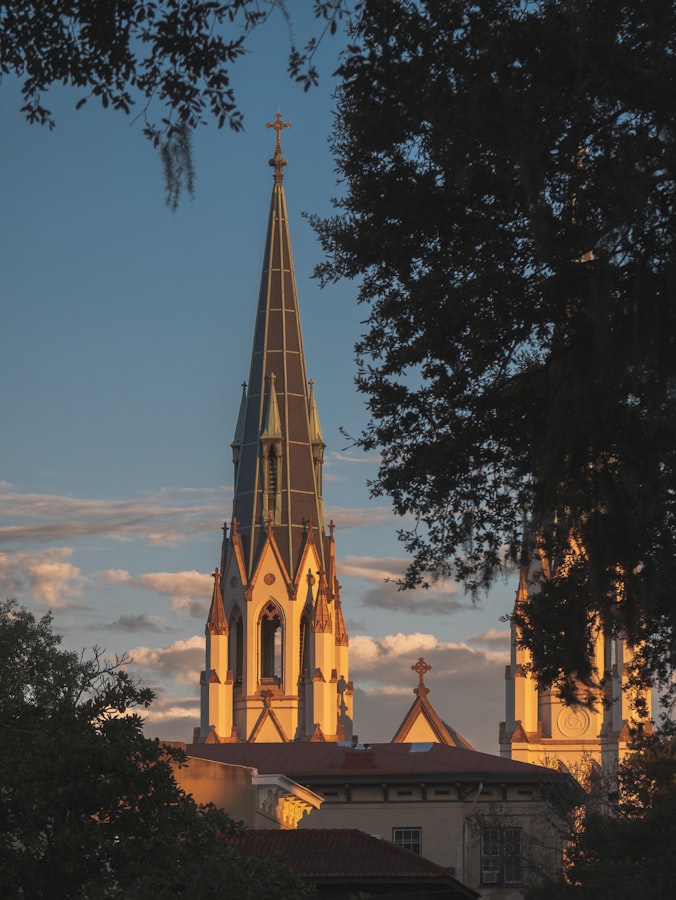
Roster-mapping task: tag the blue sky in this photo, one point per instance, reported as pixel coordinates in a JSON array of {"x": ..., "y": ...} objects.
[{"x": 126, "y": 333}]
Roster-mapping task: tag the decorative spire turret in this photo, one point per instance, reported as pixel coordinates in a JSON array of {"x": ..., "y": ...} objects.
[
  {"x": 321, "y": 617},
  {"x": 217, "y": 623}
]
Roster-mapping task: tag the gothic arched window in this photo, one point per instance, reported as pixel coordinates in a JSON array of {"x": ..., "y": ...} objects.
[{"x": 270, "y": 630}]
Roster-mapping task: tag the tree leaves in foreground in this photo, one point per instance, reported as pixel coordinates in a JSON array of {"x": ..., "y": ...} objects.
[
  {"x": 510, "y": 215},
  {"x": 89, "y": 807},
  {"x": 144, "y": 57},
  {"x": 626, "y": 852}
]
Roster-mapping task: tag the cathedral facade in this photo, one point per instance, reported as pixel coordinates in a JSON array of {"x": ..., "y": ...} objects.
[
  {"x": 276, "y": 646},
  {"x": 540, "y": 728}
]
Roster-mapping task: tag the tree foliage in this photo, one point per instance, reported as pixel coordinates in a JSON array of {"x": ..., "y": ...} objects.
[
  {"x": 625, "y": 850},
  {"x": 89, "y": 807},
  {"x": 510, "y": 214},
  {"x": 167, "y": 61}
]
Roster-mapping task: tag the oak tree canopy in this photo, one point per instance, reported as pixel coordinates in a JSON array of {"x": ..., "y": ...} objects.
[
  {"x": 89, "y": 806},
  {"x": 166, "y": 62},
  {"x": 509, "y": 212}
]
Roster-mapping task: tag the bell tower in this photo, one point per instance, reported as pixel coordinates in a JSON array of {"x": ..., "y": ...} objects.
[
  {"x": 276, "y": 599},
  {"x": 539, "y": 727}
]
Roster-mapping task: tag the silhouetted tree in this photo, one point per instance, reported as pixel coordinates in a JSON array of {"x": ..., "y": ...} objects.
[
  {"x": 627, "y": 853},
  {"x": 167, "y": 61},
  {"x": 89, "y": 806},
  {"x": 509, "y": 212}
]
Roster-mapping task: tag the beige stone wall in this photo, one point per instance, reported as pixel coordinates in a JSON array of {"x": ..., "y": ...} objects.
[
  {"x": 451, "y": 827},
  {"x": 228, "y": 787}
]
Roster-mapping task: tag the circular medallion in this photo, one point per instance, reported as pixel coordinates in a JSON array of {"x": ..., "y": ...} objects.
[
  {"x": 573, "y": 721},
  {"x": 269, "y": 578}
]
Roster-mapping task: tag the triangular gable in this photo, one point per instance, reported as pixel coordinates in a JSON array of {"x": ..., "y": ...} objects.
[
  {"x": 309, "y": 547},
  {"x": 268, "y": 728},
  {"x": 270, "y": 546},
  {"x": 422, "y": 724}
]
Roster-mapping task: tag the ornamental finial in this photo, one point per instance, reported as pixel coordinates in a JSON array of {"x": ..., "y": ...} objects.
[
  {"x": 278, "y": 161},
  {"x": 421, "y": 667},
  {"x": 278, "y": 125}
]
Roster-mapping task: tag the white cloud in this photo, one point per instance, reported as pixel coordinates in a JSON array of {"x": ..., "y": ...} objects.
[
  {"x": 184, "y": 584},
  {"x": 466, "y": 685},
  {"x": 114, "y": 576},
  {"x": 49, "y": 576},
  {"x": 373, "y": 568},
  {"x": 170, "y": 715},
  {"x": 492, "y": 637},
  {"x": 181, "y": 661}
]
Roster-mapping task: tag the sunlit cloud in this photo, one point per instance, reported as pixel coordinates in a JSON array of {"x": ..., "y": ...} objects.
[
  {"x": 173, "y": 717},
  {"x": 177, "y": 583},
  {"x": 196, "y": 609},
  {"x": 181, "y": 661},
  {"x": 48, "y": 575},
  {"x": 114, "y": 576},
  {"x": 190, "y": 591},
  {"x": 373, "y": 568},
  {"x": 492, "y": 637}
]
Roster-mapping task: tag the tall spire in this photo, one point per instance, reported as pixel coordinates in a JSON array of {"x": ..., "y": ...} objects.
[
  {"x": 277, "y": 667},
  {"x": 277, "y": 478}
]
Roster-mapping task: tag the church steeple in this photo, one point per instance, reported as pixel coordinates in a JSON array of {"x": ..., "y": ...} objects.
[
  {"x": 287, "y": 643},
  {"x": 279, "y": 443},
  {"x": 538, "y": 724}
]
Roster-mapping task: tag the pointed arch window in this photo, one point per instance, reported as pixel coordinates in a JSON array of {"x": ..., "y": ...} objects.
[{"x": 270, "y": 643}]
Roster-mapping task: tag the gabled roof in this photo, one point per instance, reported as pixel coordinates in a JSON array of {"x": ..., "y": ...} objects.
[
  {"x": 306, "y": 762},
  {"x": 348, "y": 855},
  {"x": 421, "y": 722}
]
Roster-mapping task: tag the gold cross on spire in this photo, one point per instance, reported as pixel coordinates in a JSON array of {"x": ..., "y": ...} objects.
[{"x": 278, "y": 125}]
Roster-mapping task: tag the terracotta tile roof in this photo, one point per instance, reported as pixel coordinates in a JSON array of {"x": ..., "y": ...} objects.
[
  {"x": 346, "y": 854},
  {"x": 303, "y": 761}
]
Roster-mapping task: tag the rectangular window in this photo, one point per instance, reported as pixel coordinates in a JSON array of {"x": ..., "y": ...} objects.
[
  {"x": 408, "y": 838},
  {"x": 501, "y": 856}
]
